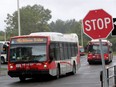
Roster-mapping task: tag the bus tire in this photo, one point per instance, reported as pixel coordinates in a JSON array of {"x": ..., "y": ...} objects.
[
  {"x": 22, "y": 79},
  {"x": 74, "y": 69},
  {"x": 2, "y": 60},
  {"x": 110, "y": 60},
  {"x": 90, "y": 63}
]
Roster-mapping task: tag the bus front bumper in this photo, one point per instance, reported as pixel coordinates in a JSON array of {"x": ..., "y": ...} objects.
[{"x": 28, "y": 73}]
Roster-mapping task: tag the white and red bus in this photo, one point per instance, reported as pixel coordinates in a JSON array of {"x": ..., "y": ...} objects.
[
  {"x": 43, "y": 53},
  {"x": 94, "y": 53},
  {"x": 4, "y": 51}
]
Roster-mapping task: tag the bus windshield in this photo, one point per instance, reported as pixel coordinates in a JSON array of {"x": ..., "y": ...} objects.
[
  {"x": 28, "y": 53},
  {"x": 96, "y": 49}
]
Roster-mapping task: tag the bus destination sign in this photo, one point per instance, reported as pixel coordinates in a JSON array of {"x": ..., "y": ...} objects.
[{"x": 28, "y": 40}]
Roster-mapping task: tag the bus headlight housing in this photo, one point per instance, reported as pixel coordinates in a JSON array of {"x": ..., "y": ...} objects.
[
  {"x": 45, "y": 66},
  {"x": 11, "y": 67}
]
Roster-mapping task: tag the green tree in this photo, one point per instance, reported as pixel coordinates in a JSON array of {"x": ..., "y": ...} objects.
[
  {"x": 63, "y": 26},
  {"x": 33, "y": 19},
  {"x": 2, "y": 35},
  {"x": 58, "y": 26}
]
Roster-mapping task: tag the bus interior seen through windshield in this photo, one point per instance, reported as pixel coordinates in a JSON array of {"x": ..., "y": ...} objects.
[
  {"x": 28, "y": 53},
  {"x": 95, "y": 49}
]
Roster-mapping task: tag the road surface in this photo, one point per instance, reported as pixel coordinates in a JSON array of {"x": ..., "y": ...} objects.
[{"x": 87, "y": 76}]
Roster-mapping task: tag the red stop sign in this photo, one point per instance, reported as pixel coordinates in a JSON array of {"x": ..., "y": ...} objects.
[{"x": 97, "y": 24}]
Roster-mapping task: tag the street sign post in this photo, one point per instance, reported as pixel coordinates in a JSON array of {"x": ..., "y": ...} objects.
[{"x": 98, "y": 24}]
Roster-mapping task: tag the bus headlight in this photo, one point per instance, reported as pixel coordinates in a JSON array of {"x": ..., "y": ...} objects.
[
  {"x": 45, "y": 66},
  {"x": 11, "y": 67}
]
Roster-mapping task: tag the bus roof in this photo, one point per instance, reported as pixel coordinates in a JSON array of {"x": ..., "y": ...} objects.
[
  {"x": 103, "y": 40},
  {"x": 56, "y": 36},
  {"x": 97, "y": 40}
]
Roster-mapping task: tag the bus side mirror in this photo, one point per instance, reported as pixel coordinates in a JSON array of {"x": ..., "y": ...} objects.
[{"x": 51, "y": 58}]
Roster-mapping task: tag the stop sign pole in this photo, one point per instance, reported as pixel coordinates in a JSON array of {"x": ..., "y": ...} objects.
[
  {"x": 103, "y": 66},
  {"x": 98, "y": 24}
]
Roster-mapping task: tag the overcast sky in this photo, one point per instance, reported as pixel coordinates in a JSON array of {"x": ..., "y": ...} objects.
[{"x": 60, "y": 9}]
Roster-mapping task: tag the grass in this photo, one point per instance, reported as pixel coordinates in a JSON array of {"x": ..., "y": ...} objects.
[{"x": 3, "y": 69}]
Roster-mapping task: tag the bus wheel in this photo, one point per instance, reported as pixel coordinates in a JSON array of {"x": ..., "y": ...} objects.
[
  {"x": 90, "y": 63},
  {"x": 2, "y": 60},
  {"x": 74, "y": 69},
  {"x": 22, "y": 79},
  {"x": 110, "y": 60}
]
